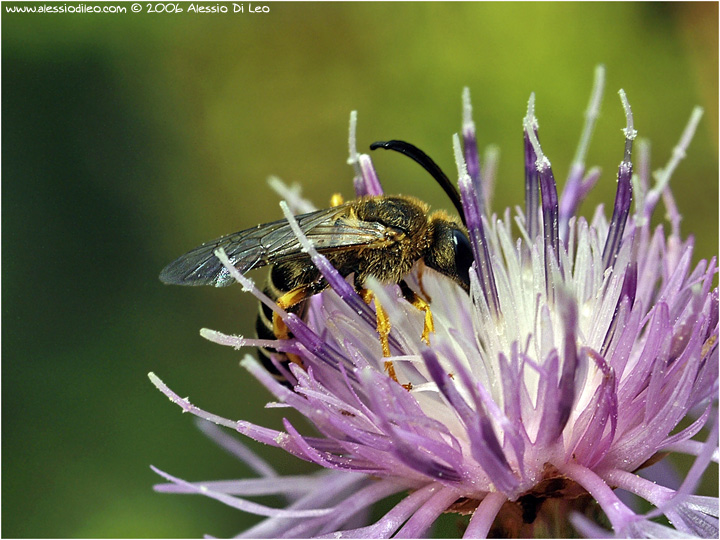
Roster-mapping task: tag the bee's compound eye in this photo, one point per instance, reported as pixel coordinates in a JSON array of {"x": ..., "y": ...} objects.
[{"x": 463, "y": 256}]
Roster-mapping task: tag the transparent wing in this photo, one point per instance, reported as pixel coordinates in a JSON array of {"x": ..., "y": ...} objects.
[{"x": 329, "y": 229}]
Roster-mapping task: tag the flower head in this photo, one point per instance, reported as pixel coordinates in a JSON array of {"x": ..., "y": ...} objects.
[{"x": 568, "y": 366}]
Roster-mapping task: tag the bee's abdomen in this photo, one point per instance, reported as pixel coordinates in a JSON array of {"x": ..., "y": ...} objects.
[{"x": 264, "y": 322}]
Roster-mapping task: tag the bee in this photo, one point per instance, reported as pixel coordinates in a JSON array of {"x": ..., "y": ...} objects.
[{"x": 373, "y": 236}]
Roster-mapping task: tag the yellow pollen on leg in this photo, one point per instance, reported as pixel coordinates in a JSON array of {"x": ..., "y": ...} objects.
[
  {"x": 280, "y": 329},
  {"x": 293, "y": 297},
  {"x": 429, "y": 325},
  {"x": 419, "y": 303},
  {"x": 383, "y": 330},
  {"x": 336, "y": 200}
]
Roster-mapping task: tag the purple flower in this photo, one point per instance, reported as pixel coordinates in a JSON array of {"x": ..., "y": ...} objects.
[{"x": 569, "y": 366}]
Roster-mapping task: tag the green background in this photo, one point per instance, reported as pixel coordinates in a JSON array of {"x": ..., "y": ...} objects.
[{"x": 129, "y": 138}]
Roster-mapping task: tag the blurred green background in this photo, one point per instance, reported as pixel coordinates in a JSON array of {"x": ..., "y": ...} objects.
[{"x": 129, "y": 138}]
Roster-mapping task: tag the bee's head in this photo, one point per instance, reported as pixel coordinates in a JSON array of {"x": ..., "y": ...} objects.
[{"x": 449, "y": 252}]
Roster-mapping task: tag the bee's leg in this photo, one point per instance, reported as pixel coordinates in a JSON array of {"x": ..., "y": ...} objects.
[
  {"x": 420, "y": 273},
  {"x": 288, "y": 301},
  {"x": 383, "y": 322},
  {"x": 336, "y": 200},
  {"x": 383, "y": 330},
  {"x": 412, "y": 297}
]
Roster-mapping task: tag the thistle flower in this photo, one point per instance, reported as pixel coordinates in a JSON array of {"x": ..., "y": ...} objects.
[{"x": 568, "y": 367}]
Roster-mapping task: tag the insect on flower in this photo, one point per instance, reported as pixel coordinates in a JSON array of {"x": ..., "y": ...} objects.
[
  {"x": 568, "y": 354},
  {"x": 374, "y": 236}
]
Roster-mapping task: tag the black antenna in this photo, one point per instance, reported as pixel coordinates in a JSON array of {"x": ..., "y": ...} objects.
[{"x": 414, "y": 153}]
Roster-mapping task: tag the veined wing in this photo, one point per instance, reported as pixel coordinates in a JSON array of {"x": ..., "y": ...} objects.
[{"x": 329, "y": 229}]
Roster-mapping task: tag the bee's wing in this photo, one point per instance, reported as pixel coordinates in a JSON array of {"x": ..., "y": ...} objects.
[{"x": 270, "y": 243}]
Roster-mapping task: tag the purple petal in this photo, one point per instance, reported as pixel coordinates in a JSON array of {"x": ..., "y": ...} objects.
[
  {"x": 334, "y": 486},
  {"x": 423, "y": 518},
  {"x": 484, "y": 515},
  {"x": 236, "y": 448},
  {"x": 470, "y": 149},
  {"x": 473, "y": 217},
  {"x": 532, "y": 188},
  {"x": 241, "y": 504},
  {"x": 620, "y": 516},
  {"x": 346, "y": 509},
  {"x": 623, "y": 196},
  {"x": 566, "y": 388},
  {"x": 390, "y": 522},
  {"x": 587, "y": 442}
]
